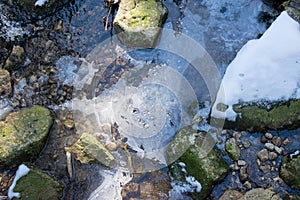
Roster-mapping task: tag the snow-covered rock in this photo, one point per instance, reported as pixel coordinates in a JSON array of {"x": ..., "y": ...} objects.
[{"x": 264, "y": 70}]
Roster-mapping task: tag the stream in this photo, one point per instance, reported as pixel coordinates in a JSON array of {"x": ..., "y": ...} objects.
[{"x": 87, "y": 76}]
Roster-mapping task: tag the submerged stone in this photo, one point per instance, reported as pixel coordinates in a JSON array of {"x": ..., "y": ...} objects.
[
  {"x": 23, "y": 134},
  {"x": 88, "y": 149},
  {"x": 203, "y": 161},
  {"x": 138, "y": 22},
  {"x": 290, "y": 171},
  {"x": 38, "y": 185}
]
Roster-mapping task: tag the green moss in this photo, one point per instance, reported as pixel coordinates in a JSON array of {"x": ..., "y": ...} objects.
[
  {"x": 39, "y": 185},
  {"x": 256, "y": 118},
  {"x": 23, "y": 134},
  {"x": 222, "y": 107},
  {"x": 203, "y": 161},
  {"x": 290, "y": 171},
  {"x": 232, "y": 149}
]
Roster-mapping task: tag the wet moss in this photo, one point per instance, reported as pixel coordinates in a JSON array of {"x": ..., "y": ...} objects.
[
  {"x": 39, "y": 185},
  {"x": 23, "y": 134},
  {"x": 258, "y": 118},
  {"x": 203, "y": 161},
  {"x": 290, "y": 171}
]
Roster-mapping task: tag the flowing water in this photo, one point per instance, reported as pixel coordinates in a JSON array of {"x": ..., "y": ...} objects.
[{"x": 146, "y": 92}]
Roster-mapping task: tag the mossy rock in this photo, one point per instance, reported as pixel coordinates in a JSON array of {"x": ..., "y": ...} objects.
[
  {"x": 23, "y": 134},
  {"x": 290, "y": 171},
  {"x": 254, "y": 118},
  {"x": 39, "y": 185},
  {"x": 203, "y": 161},
  {"x": 5, "y": 83},
  {"x": 232, "y": 149},
  {"x": 88, "y": 149},
  {"x": 138, "y": 22}
]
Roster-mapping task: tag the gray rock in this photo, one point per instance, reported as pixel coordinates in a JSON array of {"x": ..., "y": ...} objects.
[
  {"x": 278, "y": 150},
  {"x": 23, "y": 134},
  {"x": 269, "y": 136},
  {"x": 269, "y": 146},
  {"x": 263, "y": 155},
  {"x": 241, "y": 163},
  {"x": 260, "y": 193},
  {"x": 138, "y": 22},
  {"x": 231, "y": 195}
]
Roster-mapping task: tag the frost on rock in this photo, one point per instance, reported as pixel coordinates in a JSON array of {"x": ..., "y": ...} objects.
[
  {"x": 23, "y": 170},
  {"x": 10, "y": 30},
  {"x": 264, "y": 70},
  {"x": 112, "y": 184}
]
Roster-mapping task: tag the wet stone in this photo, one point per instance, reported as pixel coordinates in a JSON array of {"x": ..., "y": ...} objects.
[
  {"x": 263, "y": 155},
  {"x": 269, "y": 146},
  {"x": 269, "y": 136},
  {"x": 231, "y": 195},
  {"x": 272, "y": 156},
  {"x": 276, "y": 141},
  {"x": 278, "y": 150}
]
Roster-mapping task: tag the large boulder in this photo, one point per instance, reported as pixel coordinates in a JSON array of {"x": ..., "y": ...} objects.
[
  {"x": 23, "y": 134},
  {"x": 138, "y": 22},
  {"x": 88, "y": 149},
  {"x": 202, "y": 160},
  {"x": 39, "y": 185},
  {"x": 253, "y": 118},
  {"x": 290, "y": 171}
]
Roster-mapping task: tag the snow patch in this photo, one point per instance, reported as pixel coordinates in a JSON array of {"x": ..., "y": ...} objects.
[
  {"x": 296, "y": 153},
  {"x": 40, "y": 2},
  {"x": 23, "y": 170},
  {"x": 266, "y": 69}
]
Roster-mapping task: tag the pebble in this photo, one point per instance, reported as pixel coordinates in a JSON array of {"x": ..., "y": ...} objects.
[
  {"x": 263, "y": 139},
  {"x": 246, "y": 144},
  {"x": 272, "y": 156},
  {"x": 243, "y": 173},
  {"x": 278, "y": 179},
  {"x": 247, "y": 185},
  {"x": 269, "y": 136},
  {"x": 278, "y": 150},
  {"x": 269, "y": 146},
  {"x": 237, "y": 135},
  {"x": 263, "y": 155},
  {"x": 276, "y": 141},
  {"x": 286, "y": 141},
  {"x": 265, "y": 168},
  {"x": 69, "y": 124},
  {"x": 241, "y": 163},
  {"x": 111, "y": 146}
]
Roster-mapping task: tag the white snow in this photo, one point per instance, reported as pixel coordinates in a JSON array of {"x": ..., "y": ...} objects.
[
  {"x": 296, "y": 153},
  {"x": 266, "y": 69},
  {"x": 23, "y": 170},
  {"x": 40, "y": 2}
]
